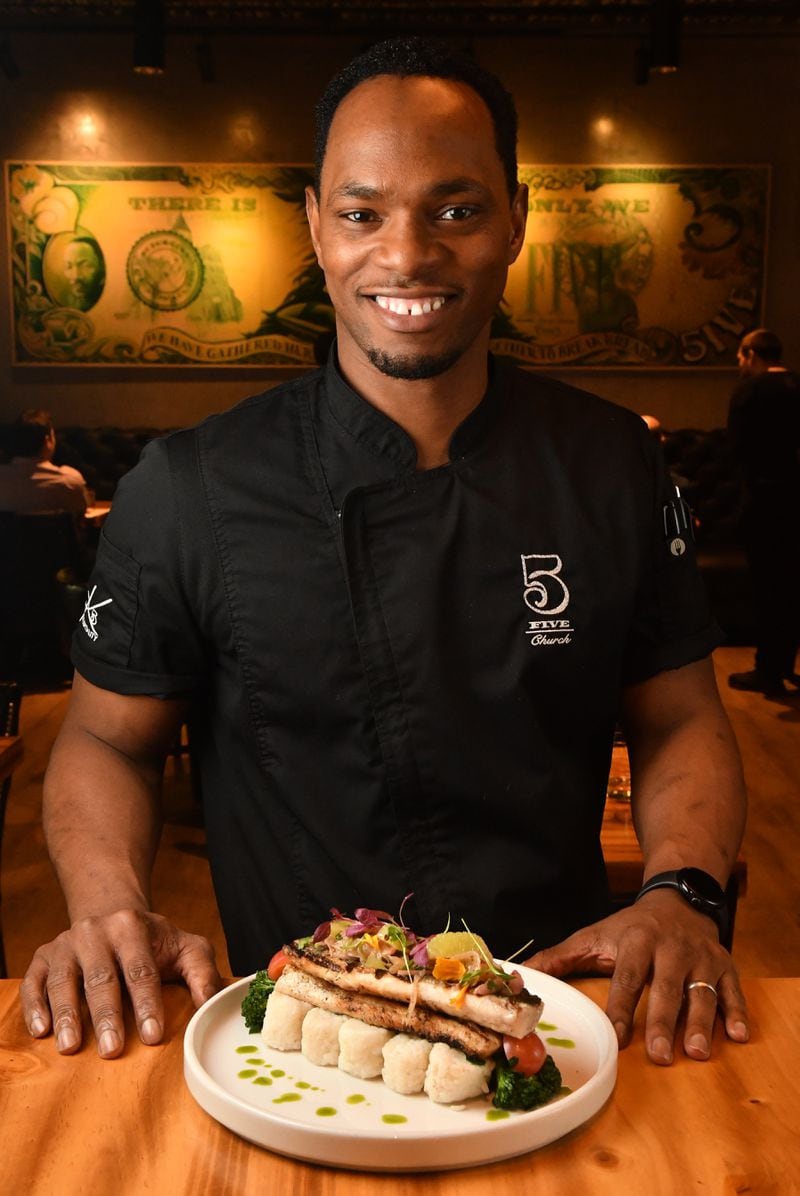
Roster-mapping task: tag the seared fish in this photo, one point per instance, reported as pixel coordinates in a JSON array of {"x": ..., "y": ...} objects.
[
  {"x": 515, "y": 1015},
  {"x": 474, "y": 1041}
]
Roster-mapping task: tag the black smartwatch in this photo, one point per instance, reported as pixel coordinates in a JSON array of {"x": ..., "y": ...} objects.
[{"x": 696, "y": 887}]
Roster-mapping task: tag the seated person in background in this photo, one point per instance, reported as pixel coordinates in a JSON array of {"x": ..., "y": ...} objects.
[{"x": 30, "y": 482}]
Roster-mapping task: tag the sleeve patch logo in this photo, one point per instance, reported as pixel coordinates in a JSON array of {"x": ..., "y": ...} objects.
[
  {"x": 545, "y": 592},
  {"x": 89, "y": 617}
]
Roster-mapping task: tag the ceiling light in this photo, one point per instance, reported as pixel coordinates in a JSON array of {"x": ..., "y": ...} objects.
[
  {"x": 665, "y": 36},
  {"x": 148, "y": 33}
]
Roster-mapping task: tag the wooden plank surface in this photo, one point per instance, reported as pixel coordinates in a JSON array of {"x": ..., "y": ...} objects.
[{"x": 78, "y": 1126}]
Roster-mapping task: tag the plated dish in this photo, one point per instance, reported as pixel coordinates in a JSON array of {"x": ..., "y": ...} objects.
[{"x": 281, "y": 1101}]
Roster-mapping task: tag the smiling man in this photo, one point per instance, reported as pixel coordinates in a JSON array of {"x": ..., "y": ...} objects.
[{"x": 408, "y": 597}]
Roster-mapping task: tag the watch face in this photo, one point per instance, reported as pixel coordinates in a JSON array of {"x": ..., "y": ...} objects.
[{"x": 701, "y": 885}]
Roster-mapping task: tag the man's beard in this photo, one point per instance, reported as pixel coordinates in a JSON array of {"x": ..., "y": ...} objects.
[{"x": 412, "y": 368}]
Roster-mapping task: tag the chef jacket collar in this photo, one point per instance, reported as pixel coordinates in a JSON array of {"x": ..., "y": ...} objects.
[{"x": 386, "y": 440}]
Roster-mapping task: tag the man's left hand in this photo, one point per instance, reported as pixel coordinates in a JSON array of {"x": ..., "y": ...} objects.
[{"x": 662, "y": 940}]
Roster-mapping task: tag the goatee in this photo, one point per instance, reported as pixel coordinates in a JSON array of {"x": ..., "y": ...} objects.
[{"x": 412, "y": 368}]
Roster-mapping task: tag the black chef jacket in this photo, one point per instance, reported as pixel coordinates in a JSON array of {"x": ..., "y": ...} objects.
[{"x": 408, "y": 682}]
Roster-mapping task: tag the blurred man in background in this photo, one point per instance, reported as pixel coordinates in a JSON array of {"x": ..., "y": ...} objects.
[
  {"x": 30, "y": 482},
  {"x": 764, "y": 425}
]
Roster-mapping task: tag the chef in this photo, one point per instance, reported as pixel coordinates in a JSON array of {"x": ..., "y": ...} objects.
[{"x": 406, "y": 598}]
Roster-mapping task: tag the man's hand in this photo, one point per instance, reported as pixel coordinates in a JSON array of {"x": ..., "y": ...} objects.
[
  {"x": 130, "y": 949},
  {"x": 662, "y": 940}
]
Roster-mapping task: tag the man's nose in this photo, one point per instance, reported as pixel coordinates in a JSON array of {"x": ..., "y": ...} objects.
[{"x": 409, "y": 246}]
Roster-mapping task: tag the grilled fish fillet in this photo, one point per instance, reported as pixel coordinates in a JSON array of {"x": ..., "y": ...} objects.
[
  {"x": 475, "y": 1042},
  {"x": 505, "y": 1015}
]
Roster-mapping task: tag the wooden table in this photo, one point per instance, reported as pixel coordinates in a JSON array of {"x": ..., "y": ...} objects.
[
  {"x": 10, "y": 754},
  {"x": 79, "y": 1125}
]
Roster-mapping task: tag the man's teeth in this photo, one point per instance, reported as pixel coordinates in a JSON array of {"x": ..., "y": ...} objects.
[{"x": 409, "y": 307}]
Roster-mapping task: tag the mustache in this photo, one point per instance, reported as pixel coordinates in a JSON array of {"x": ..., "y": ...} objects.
[{"x": 403, "y": 282}]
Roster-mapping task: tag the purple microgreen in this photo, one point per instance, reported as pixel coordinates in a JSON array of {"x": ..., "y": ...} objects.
[
  {"x": 322, "y": 932},
  {"x": 419, "y": 953}
]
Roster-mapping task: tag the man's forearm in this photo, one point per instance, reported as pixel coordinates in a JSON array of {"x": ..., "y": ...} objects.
[
  {"x": 102, "y": 824},
  {"x": 689, "y": 797}
]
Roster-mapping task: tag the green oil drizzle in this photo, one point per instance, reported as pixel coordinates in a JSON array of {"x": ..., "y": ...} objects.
[
  {"x": 546, "y": 1026},
  {"x": 326, "y": 1111},
  {"x": 262, "y": 1080},
  {"x": 259, "y": 1062},
  {"x": 562, "y": 1042},
  {"x": 302, "y": 1084},
  {"x": 246, "y": 1050},
  {"x": 393, "y": 1118},
  {"x": 563, "y": 1091},
  {"x": 356, "y": 1099},
  {"x": 287, "y": 1096},
  {"x": 497, "y": 1114},
  {"x": 248, "y": 1073},
  {"x": 277, "y": 1073}
]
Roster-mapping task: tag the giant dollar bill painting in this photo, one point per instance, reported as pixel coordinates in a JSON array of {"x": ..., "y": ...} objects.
[{"x": 211, "y": 265}]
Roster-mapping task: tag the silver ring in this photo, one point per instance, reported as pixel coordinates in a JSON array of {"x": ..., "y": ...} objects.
[{"x": 702, "y": 984}]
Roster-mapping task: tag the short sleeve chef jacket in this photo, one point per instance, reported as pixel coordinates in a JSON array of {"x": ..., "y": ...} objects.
[{"x": 408, "y": 682}]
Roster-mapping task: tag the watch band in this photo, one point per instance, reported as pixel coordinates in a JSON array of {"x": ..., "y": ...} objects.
[{"x": 698, "y": 889}]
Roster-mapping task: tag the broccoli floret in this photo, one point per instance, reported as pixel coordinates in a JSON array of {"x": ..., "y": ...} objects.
[
  {"x": 254, "y": 1006},
  {"x": 515, "y": 1091}
]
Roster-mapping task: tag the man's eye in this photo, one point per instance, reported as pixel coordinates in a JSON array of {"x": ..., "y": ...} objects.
[
  {"x": 458, "y": 212},
  {"x": 359, "y": 216}
]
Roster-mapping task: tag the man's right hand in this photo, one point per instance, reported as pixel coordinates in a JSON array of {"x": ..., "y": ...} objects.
[{"x": 129, "y": 949}]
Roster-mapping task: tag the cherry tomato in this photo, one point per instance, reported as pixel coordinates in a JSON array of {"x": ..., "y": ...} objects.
[
  {"x": 530, "y": 1053},
  {"x": 277, "y": 964}
]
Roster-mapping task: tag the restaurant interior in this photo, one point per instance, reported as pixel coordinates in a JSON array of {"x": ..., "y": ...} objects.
[{"x": 696, "y": 99}]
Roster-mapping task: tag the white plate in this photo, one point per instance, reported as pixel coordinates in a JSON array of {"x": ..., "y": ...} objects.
[{"x": 281, "y": 1103}]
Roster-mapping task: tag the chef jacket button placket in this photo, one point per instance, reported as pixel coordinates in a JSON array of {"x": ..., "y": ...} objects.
[{"x": 402, "y": 778}]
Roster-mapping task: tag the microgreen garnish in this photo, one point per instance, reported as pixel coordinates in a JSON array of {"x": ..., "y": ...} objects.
[
  {"x": 397, "y": 936},
  {"x": 490, "y": 962}
]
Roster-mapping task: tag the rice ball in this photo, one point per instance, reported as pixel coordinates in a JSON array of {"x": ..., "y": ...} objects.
[
  {"x": 320, "y": 1040},
  {"x": 283, "y": 1022},
  {"x": 405, "y": 1061},
  {"x": 361, "y": 1048},
  {"x": 451, "y": 1077}
]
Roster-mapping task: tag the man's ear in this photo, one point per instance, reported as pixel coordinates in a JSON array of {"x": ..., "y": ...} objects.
[
  {"x": 312, "y": 215},
  {"x": 519, "y": 219}
]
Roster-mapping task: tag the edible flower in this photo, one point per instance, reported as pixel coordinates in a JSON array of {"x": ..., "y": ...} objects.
[{"x": 448, "y": 969}]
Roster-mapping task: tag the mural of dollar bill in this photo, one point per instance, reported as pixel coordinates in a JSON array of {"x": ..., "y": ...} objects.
[{"x": 212, "y": 265}]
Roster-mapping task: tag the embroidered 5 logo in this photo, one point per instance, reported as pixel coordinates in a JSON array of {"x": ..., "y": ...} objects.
[{"x": 546, "y": 593}]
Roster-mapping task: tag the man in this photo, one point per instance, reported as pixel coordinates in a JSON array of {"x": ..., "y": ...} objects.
[
  {"x": 84, "y": 272},
  {"x": 412, "y": 593},
  {"x": 764, "y": 426},
  {"x": 30, "y": 482}
]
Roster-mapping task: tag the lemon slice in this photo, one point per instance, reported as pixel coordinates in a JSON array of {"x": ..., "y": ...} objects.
[{"x": 457, "y": 942}]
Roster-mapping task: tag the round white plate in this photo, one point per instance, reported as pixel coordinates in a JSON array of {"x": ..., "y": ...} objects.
[{"x": 279, "y": 1100}]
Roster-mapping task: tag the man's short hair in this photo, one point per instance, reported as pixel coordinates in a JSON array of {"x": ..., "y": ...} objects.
[
  {"x": 763, "y": 344},
  {"x": 29, "y": 432},
  {"x": 409, "y": 57}
]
